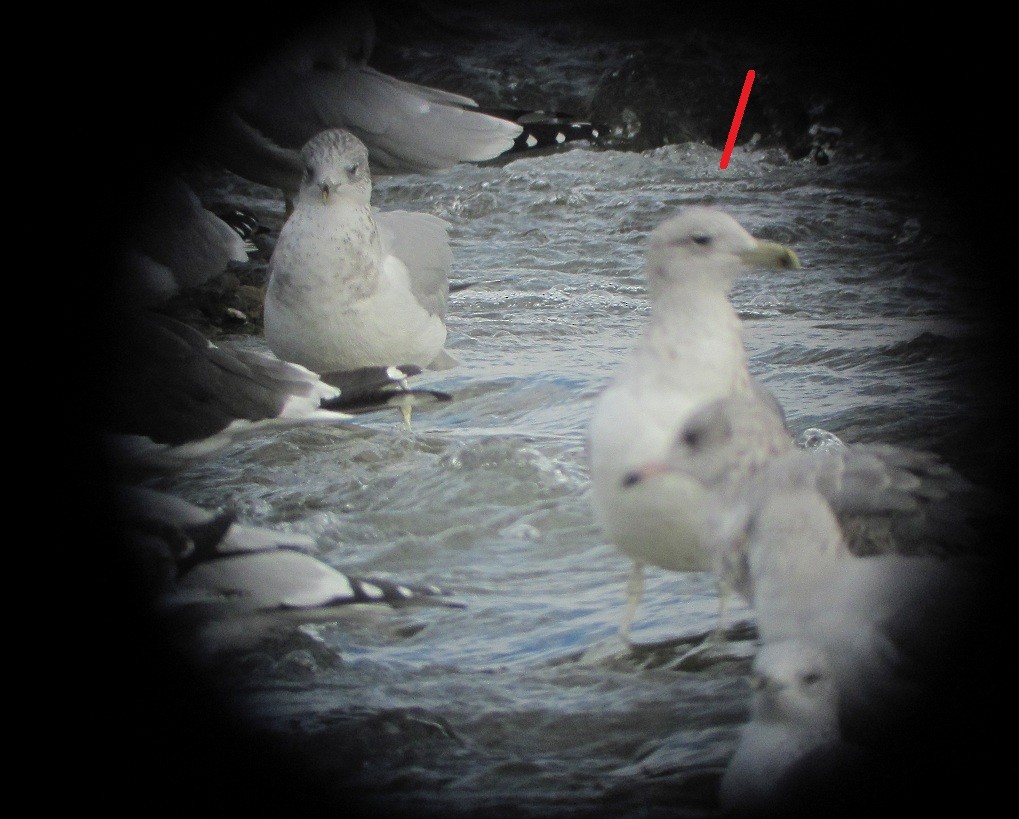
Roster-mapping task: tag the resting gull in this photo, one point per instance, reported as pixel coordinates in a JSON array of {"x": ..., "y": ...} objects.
[
  {"x": 351, "y": 286},
  {"x": 319, "y": 79},
  {"x": 171, "y": 395},
  {"x": 690, "y": 353},
  {"x": 173, "y": 243},
  {"x": 203, "y": 565}
]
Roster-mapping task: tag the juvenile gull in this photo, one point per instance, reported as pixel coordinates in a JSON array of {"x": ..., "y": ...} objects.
[
  {"x": 319, "y": 79},
  {"x": 351, "y": 286},
  {"x": 690, "y": 353}
]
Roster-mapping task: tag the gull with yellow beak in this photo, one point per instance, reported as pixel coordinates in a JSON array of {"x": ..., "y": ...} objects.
[
  {"x": 690, "y": 353},
  {"x": 351, "y": 286}
]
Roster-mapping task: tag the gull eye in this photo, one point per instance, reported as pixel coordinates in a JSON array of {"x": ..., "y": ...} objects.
[
  {"x": 351, "y": 171},
  {"x": 691, "y": 437},
  {"x": 811, "y": 678},
  {"x": 701, "y": 239},
  {"x": 309, "y": 172}
]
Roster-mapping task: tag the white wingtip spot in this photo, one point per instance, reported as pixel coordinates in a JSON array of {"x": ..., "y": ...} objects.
[
  {"x": 395, "y": 374},
  {"x": 404, "y": 591},
  {"x": 531, "y": 141},
  {"x": 372, "y": 591},
  {"x": 560, "y": 137},
  {"x": 594, "y": 132}
]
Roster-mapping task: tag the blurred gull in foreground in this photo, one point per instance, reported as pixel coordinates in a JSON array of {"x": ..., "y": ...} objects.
[
  {"x": 351, "y": 286},
  {"x": 690, "y": 353},
  {"x": 870, "y": 553},
  {"x": 791, "y": 755}
]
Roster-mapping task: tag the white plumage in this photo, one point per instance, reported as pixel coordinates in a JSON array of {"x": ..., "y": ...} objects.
[
  {"x": 351, "y": 286},
  {"x": 690, "y": 353}
]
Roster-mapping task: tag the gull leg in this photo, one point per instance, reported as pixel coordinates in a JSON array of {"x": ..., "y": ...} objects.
[
  {"x": 724, "y": 593},
  {"x": 634, "y": 593}
]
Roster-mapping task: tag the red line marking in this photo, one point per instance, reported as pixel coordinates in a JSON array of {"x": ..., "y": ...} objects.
[{"x": 741, "y": 106}]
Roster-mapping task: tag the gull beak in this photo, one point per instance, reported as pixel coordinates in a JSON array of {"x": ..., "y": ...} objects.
[
  {"x": 771, "y": 254},
  {"x": 644, "y": 473}
]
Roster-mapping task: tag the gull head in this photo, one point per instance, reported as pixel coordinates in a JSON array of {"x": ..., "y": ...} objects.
[
  {"x": 335, "y": 168},
  {"x": 794, "y": 682},
  {"x": 728, "y": 440},
  {"x": 706, "y": 247}
]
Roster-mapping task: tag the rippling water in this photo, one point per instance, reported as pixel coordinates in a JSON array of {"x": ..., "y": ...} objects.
[{"x": 494, "y": 708}]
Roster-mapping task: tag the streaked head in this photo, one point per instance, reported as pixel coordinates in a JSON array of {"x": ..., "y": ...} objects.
[{"x": 335, "y": 166}]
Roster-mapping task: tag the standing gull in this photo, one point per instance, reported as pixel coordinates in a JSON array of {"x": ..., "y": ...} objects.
[
  {"x": 690, "y": 353},
  {"x": 350, "y": 286}
]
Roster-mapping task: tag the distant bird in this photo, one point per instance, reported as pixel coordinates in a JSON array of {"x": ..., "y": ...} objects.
[
  {"x": 173, "y": 243},
  {"x": 172, "y": 396},
  {"x": 351, "y": 286},
  {"x": 690, "y": 353},
  {"x": 318, "y": 79}
]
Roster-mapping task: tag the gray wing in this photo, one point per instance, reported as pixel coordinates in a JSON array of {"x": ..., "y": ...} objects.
[
  {"x": 176, "y": 233},
  {"x": 891, "y": 499},
  {"x": 168, "y": 383},
  {"x": 320, "y": 80},
  {"x": 420, "y": 241}
]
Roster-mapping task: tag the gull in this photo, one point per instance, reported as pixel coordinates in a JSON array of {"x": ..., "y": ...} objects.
[
  {"x": 203, "y": 565},
  {"x": 174, "y": 243},
  {"x": 173, "y": 396},
  {"x": 886, "y": 499},
  {"x": 870, "y": 552},
  {"x": 791, "y": 754},
  {"x": 318, "y": 79},
  {"x": 351, "y": 286},
  {"x": 690, "y": 353}
]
